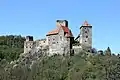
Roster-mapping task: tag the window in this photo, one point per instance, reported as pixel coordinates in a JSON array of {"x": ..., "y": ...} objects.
[
  {"x": 88, "y": 50},
  {"x": 53, "y": 39},
  {"x": 60, "y": 37},
  {"x": 53, "y": 42},
  {"x": 67, "y": 39},
  {"x": 85, "y": 31},
  {"x": 30, "y": 46},
  {"x": 85, "y": 41},
  {"x": 86, "y": 36}
]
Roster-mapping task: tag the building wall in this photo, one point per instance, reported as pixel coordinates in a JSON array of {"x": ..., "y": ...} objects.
[
  {"x": 54, "y": 42},
  {"x": 28, "y": 45},
  {"x": 58, "y": 43},
  {"x": 86, "y": 38}
]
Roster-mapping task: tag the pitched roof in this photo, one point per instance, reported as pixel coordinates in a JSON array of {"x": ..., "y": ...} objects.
[
  {"x": 65, "y": 29},
  {"x": 56, "y": 31},
  {"x": 86, "y": 23}
]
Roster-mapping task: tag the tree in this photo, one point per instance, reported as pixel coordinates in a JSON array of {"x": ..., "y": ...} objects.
[{"x": 108, "y": 52}]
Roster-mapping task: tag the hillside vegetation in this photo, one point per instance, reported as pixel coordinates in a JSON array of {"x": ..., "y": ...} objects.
[
  {"x": 78, "y": 67},
  {"x": 81, "y": 66},
  {"x": 11, "y": 46}
]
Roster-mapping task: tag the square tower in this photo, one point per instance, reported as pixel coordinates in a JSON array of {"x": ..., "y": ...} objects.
[
  {"x": 86, "y": 36},
  {"x": 28, "y": 44}
]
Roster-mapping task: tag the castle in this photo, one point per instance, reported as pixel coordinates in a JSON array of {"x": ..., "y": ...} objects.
[{"x": 60, "y": 40}]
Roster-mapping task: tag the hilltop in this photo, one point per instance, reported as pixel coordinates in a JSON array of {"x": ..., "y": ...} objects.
[{"x": 15, "y": 65}]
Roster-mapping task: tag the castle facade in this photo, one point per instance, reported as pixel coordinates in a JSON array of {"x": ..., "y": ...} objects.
[{"x": 60, "y": 40}]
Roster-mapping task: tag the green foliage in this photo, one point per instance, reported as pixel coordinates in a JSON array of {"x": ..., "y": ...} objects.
[
  {"x": 11, "y": 46},
  {"x": 78, "y": 67}
]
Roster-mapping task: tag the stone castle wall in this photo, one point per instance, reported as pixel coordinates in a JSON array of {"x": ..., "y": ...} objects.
[{"x": 59, "y": 43}]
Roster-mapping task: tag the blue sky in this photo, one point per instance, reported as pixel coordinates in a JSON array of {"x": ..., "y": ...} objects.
[{"x": 37, "y": 17}]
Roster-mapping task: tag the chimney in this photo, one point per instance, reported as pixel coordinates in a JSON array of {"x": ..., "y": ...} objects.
[{"x": 62, "y": 23}]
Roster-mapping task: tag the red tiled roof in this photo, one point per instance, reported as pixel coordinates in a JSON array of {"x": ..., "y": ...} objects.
[
  {"x": 65, "y": 29},
  {"x": 53, "y": 32}
]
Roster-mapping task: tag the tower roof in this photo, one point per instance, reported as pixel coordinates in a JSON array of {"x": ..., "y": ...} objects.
[{"x": 86, "y": 23}]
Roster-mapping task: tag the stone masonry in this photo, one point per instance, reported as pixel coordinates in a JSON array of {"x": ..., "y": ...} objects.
[
  {"x": 60, "y": 40},
  {"x": 86, "y": 36}
]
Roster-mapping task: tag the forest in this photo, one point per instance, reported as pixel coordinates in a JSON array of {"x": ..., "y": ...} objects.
[
  {"x": 11, "y": 46},
  {"x": 80, "y": 66}
]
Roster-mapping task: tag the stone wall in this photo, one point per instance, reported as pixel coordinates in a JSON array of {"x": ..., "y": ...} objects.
[
  {"x": 58, "y": 43},
  {"x": 28, "y": 45},
  {"x": 77, "y": 49},
  {"x": 86, "y": 38}
]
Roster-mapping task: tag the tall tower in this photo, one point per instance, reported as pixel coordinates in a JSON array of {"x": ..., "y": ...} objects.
[{"x": 86, "y": 36}]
